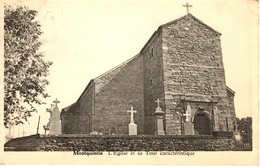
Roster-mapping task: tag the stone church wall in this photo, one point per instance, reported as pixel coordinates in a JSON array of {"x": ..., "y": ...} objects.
[
  {"x": 86, "y": 107},
  {"x": 71, "y": 120},
  {"x": 76, "y": 119},
  {"x": 232, "y": 108},
  {"x": 193, "y": 68},
  {"x": 124, "y": 90},
  {"x": 153, "y": 79}
]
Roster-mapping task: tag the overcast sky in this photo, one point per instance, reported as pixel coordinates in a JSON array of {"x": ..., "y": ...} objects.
[{"x": 86, "y": 38}]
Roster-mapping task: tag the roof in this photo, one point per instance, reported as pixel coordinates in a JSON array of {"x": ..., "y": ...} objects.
[
  {"x": 100, "y": 83},
  {"x": 86, "y": 89},
  {"x": 118, "y": 66},
  {"x": 68, "y": 108},
  {"x": 230, "y": 90},
  {"x": 106, "y": 77}
]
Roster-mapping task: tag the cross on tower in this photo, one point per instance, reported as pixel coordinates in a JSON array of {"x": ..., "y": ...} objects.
[
  {"x": 56, "y": 102},
  {"x": 187, "y": 7},
  {"x": 158, "y": 103},
  {"x": 132, "y": 111}
]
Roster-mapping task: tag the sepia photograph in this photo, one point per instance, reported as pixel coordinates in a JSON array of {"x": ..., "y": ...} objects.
[{"x": 130, "y": 82}]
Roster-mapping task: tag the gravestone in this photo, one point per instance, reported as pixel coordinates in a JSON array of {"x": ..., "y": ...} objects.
[
  {"x": 55, "y": 122},
  {"x": 159, "y": 119},
  {"x": 132, "y": 127},
  {"x": 188, "y": 125},
  {"x": 189, "y": 128}
]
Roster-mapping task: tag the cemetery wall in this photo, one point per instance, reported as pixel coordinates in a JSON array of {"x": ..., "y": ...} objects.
[
  {"x": 122, "y": 91},
  {"x": 119, "y": 143},
  {"x": 193, "y": 67}
]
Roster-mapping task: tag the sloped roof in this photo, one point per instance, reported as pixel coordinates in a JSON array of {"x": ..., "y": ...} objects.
[
  {"x": 104, "y": 79},
  {"x": 230, "y": 90},
  {"x": 69, "y": 108}
]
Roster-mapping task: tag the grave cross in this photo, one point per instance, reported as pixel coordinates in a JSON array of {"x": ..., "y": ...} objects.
[
  {"x": 132, "y": 111},
  {"x": 187, "y": 7},
  {"x": 56, "y": 102},
  {"x": 158, "y": 103},
  {"x": 187, "y": 116}
]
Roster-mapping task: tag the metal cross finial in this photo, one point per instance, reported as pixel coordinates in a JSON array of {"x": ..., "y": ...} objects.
[
  {"x": 158, "y": 103},
  {"x": 187, "y": 7},
  {"x": 56, "y": 102}
]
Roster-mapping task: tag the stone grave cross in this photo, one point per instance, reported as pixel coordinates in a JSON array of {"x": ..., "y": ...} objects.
[
  {"x": 188, "y": 125},
  {"x": 158, "y": 103},
  {"x": 187, "y": 114},
  {"x": 56, "y": 102},
  {"x": 187, "y": 7},
  {"x": 54, "y": 124},
  {"x": 158, "y": 115},
  {"x": 132, "y": 111}
]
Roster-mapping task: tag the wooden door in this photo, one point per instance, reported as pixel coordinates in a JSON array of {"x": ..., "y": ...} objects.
[{"x": 202, "y": 124}]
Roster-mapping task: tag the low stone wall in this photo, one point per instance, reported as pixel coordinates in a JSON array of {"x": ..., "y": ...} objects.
[{"x": 119, "y": 143}]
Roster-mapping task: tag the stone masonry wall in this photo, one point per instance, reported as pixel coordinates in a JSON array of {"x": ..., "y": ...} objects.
[
  {"x": 119, "y": 143},
  {"x": 232, "y": 108},
  {"x": 76, "y": 119},
  {"x": 193, "y": 67},
  {"x": 124, "y": 90},
  {"x": 71, "y": 120},
  {"x": 153, "y": 79},
  {"x": 86, "y": 107}
]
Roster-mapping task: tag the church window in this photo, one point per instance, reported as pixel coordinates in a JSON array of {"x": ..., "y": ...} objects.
[{"x": 151, "y": 53}]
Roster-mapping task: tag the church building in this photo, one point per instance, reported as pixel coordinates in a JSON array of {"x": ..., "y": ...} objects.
[{"x": 182, "y": 66}]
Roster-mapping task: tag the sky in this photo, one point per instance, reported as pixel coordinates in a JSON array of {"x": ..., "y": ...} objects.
[{"x": 86, "y": 38}]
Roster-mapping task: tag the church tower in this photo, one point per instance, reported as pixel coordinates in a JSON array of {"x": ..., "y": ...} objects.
[{"x": 183, "y": 67}]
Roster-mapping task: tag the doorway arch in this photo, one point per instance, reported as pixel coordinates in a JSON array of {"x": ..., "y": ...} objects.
[{"x": 202, "y": 124}]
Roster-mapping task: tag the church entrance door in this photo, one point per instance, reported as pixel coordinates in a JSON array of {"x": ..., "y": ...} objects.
[{"x": 202, "y": 124}]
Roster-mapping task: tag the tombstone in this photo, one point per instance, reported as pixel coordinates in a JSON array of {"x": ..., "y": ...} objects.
[
  {"x": 55, "y": 122},
  {"x": 159, "y": 119},
  {"x": 132, "y": 127},
  {"x": 112, "y": 131},
  {"x": 94, "y": 133},
  {"x": 188, "y": 126}
]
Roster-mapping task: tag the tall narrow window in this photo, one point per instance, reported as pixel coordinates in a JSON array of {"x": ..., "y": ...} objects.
[
  {"x": 151, "y": 53},
  {"x": 151, "y": 82}
]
